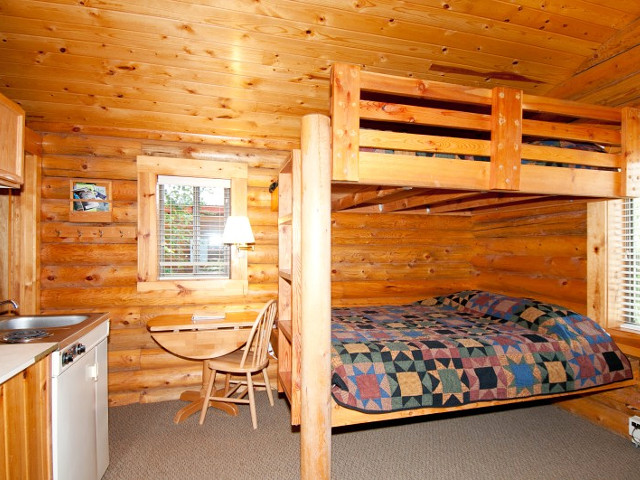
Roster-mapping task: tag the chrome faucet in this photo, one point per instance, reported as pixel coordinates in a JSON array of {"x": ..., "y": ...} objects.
[{"x": 12, "y": 302}]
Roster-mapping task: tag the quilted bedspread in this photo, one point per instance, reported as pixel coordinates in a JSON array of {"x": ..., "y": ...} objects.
[{"x": 466, "y": 347}]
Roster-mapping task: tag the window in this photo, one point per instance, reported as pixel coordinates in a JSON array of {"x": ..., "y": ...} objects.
[
  {"x": 191, "y": 216},
  {"x": 182, "y": 208},
  {"x": 630, "y": 270}
]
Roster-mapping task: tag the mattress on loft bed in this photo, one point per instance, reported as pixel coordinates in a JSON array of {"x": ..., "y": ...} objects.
[
  {"x": 589, "y": 147},
  {"x": 470, "y": 346}
]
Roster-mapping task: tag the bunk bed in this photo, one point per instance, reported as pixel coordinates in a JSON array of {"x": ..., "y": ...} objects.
[{"x": 407, "y": 145}]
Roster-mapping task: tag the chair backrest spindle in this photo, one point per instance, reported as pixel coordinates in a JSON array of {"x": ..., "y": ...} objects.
[{"x": 258, "y": 341}]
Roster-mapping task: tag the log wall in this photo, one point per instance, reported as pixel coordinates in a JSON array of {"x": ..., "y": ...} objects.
[
  {"x": 92, "y": 266},
  {"x": 395, "y": 259},
  {"x": 538, "y": 252}
]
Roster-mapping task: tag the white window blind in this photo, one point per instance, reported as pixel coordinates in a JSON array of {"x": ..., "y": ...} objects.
[
  {"x": 191, "y": 216},
  {"x": 630, "y": 298}
]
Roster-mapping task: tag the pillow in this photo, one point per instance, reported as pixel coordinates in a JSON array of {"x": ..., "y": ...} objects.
[
  {"x": 545, "y": 318},
  {"x": 456, "y": 300}
]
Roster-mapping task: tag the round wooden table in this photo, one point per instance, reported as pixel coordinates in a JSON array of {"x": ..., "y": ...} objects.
[{"x": 201, "y": 339}]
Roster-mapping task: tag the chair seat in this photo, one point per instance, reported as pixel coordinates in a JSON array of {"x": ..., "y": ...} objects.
[{"x": 231, "y": 363}]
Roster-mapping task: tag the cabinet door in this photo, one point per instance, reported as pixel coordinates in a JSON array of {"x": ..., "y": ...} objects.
[{"x": 11, "y": 143}]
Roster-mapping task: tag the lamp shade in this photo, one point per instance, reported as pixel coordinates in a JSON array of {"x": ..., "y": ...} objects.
[{"x": 237, "y": 231}]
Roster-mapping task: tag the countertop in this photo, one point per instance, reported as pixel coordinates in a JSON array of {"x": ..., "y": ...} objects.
[{"x": 15, "y": 357}]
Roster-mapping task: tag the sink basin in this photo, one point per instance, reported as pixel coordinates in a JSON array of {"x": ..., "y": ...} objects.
[
  {"x": 41, "y": 321},
  {"x": 63, "y": 329}
]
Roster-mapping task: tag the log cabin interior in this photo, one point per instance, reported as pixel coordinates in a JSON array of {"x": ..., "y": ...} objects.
[{"x": 478, "y": 96}]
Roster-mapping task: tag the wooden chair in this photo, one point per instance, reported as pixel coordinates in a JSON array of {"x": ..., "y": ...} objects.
[{"x": 249, "y": 359}]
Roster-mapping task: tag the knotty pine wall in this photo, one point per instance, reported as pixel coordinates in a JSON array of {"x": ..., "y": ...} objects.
[
  {"x": 538, "y": 252},
  {"x": 92, "y": 266},
  {"x": 395, "y": 259}
]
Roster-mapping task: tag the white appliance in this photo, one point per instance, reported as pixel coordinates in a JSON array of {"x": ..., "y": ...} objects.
[{"x": 80, "y": 430}]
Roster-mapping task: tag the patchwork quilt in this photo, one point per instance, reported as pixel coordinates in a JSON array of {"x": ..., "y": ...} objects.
[{"x": 466, "y": 347}]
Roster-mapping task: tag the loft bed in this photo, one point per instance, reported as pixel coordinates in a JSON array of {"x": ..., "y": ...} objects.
[{"x": 411, "y": 146}]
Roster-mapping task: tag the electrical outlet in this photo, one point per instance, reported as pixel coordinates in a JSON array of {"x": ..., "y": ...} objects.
[{"x": 634, "y": 424}]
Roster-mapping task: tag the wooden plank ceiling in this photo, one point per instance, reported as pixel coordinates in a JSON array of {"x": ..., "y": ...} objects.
[{"x": 251, "y": 68}]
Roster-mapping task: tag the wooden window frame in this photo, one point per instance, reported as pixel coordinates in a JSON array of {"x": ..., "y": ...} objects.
[
  {"x": 602, "y": 274},
  {"x": 148, "y": 170}
]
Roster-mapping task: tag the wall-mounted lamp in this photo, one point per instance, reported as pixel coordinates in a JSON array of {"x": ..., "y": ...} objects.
[{"x": 237, "y": 231}]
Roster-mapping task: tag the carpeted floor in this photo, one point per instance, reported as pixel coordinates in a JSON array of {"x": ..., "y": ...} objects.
[{"x": 534, "y": 442}]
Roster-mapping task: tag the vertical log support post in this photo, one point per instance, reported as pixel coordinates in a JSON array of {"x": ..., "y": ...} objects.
[
  {"x": 345, "y": 117},
  {"x": 29, "y": 266},
  {"x": 630, "y": 133},
  {"x": 597, "y": 262},
  {"x": 315, "y": 428},
  {"x": 506, "y": 139}
]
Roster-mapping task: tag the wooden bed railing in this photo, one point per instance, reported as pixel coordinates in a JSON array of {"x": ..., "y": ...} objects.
[{"x": 489, "y": 123}]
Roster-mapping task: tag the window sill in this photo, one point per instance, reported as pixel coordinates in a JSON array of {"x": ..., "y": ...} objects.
[
  {"x": 627, "y": 340},
  {"x": 216, "y": 287}
]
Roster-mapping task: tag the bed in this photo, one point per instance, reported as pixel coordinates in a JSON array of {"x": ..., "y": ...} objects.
[
  {"x": 405, "y": 145},
  {"x": 466, "y": 347}
]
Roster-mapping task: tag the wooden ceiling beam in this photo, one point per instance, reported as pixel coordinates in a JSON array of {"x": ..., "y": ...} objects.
[
  {"x": 414, "y": 202},
  {"x": 359, "y": 198},
  {"x": 484, "y": 201}
]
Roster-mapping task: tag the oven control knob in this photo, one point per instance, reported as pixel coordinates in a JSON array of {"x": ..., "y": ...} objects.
[
  {"x": 67, "y": 358},
  {"x": 80, "y": 349}
]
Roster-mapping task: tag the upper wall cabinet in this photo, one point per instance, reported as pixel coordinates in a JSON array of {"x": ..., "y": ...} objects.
[{"x": 11, "y": 143}]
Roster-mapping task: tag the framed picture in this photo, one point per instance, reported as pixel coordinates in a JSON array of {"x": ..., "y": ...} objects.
[{"x": 90, "y": 200}]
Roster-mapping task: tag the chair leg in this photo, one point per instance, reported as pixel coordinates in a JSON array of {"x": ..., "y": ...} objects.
[
  {"x": 205, "y": 402},
  {"x": 267, "y": 386},
  {"x": 252, "y": 402},
  {"x": 226, "y": 384}
]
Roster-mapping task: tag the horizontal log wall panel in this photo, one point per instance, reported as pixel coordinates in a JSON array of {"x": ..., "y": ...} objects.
[
  {"x": 390, "y": 271},
  {"x": 92, "y": 267},
  {"x": 390, "y": 259},
  {"x": 58, "y": 188},
  {"x": 539, "y": 252},
  {"x": 135, "y": 359},
  {"x": 58, "y": 210},
  {"x": 571, "y": 267},
  {"x": 157, "y": 377},
  {"x": 415, "y": 288},
  {"x": 56, "y": 276}
]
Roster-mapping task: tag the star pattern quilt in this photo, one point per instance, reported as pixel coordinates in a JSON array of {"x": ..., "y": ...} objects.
[{"x": 466, "y": 347}]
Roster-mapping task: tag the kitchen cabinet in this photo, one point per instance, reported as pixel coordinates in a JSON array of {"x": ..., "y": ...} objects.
[
  {"x": 25, "y": 426},
  {"x": 11, "y": 143}
]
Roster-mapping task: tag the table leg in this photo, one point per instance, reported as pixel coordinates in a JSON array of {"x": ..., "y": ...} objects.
[{"x": 196, "y": 398}]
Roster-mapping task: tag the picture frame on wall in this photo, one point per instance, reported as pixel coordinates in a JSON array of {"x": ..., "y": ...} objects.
[{"x": 90, "y": 200}]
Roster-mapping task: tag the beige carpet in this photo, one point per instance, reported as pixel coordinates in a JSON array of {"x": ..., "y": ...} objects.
[{"x": 534, "y": 442}]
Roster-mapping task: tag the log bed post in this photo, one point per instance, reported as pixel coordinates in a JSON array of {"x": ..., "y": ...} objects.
[
  {"x": 630, "y": 136},
  {"x": 345, "y": 115},
  {"x": 506, "y": 139},
  {"x": 315, "y": 288}
]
